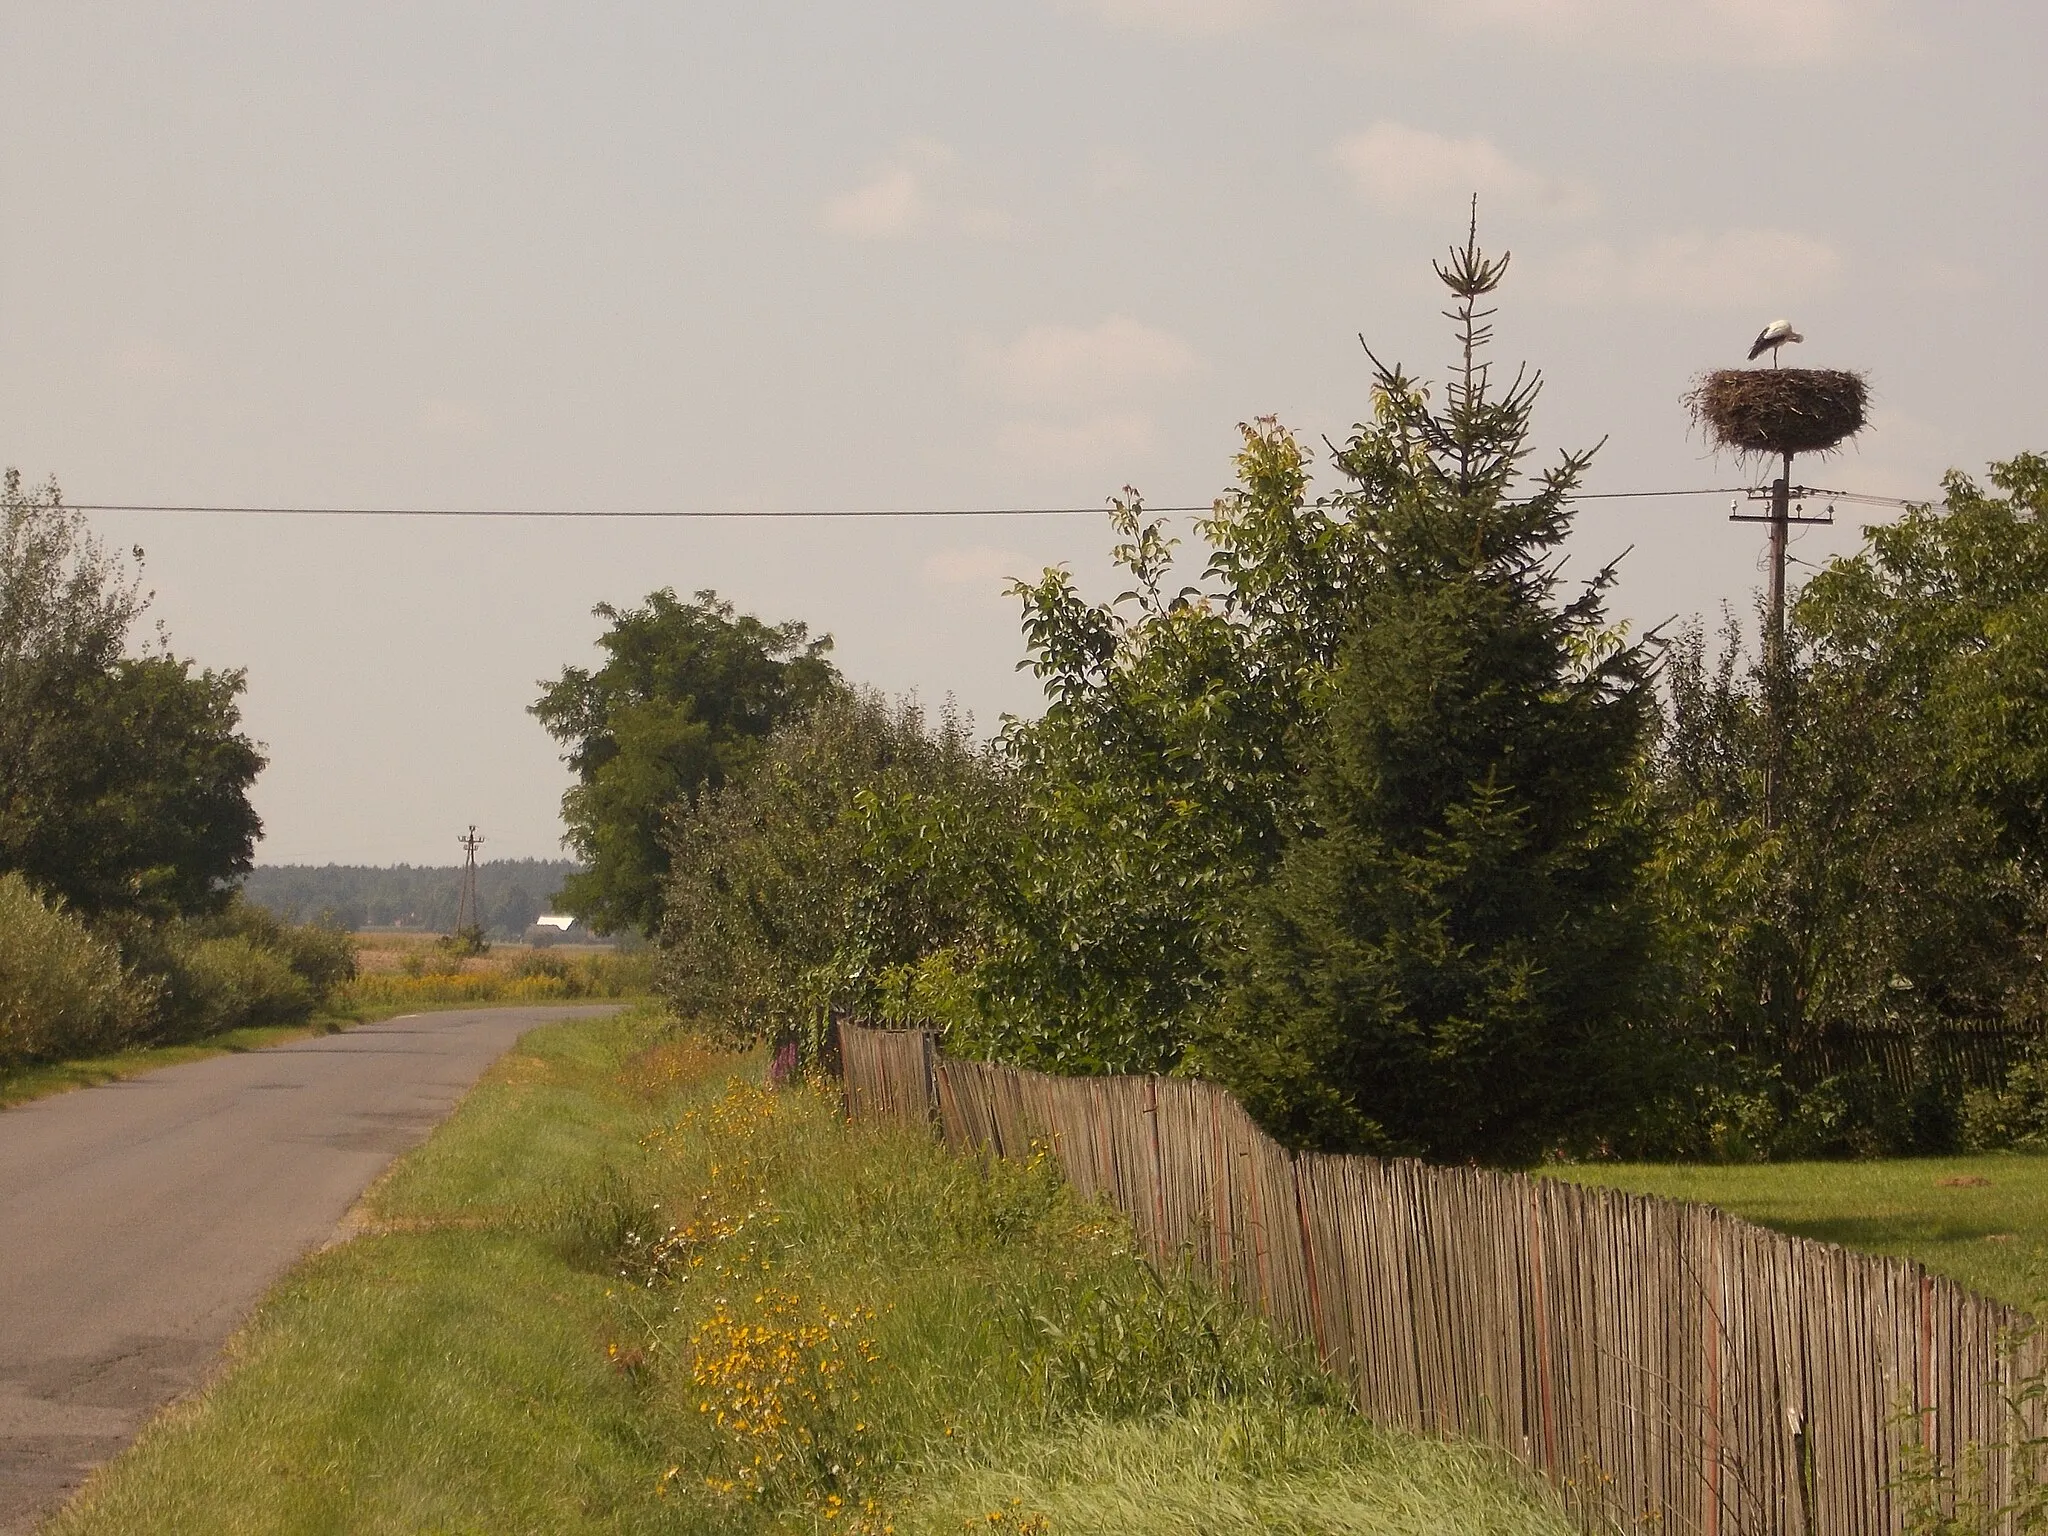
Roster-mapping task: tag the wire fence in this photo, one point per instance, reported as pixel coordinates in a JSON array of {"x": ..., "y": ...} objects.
[{"x": 1666, "y": 1367}]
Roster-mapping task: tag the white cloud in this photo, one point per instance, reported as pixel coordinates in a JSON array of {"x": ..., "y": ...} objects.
[
  {"x": 909, "y": 196},
  {"x": 1070, "y": 365},
  {"x": 1762, "y": 33},
  {"x": 983, "y": 223},
  {"x": 1083, "y": 384},
  {"x": 1737, "y": 268},
  {"x": 886, "y": 208},
  {"x": 981, "y": 566},
  {"x": 1188, "y": 18},
  {"x": 1766, "y": 33},
  {"x": 1075, "y": 445},
  {"x": 1893, "y": 457},
  {"x": 1405, "y": 170}
]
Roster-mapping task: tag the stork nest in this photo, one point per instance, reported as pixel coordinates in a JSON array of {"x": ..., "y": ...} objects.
[{"x": 1778, "y": 411}]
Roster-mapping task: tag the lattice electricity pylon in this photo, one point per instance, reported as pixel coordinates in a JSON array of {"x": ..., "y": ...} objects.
[{"x": 469, "y": 914}]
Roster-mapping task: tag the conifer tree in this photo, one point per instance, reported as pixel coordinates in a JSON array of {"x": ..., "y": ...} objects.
[{"x": 1445, "y": 960}]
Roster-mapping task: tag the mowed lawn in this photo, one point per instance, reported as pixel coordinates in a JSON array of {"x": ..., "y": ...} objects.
[{"x": 1981, "y": 1220}]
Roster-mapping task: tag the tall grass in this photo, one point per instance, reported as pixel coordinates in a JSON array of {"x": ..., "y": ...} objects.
[{"x": 533, "y": 977}]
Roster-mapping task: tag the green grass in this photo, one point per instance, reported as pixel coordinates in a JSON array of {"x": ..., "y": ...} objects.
[
  {"x": 1982, "y": 1220},
  {"x": 1228, "y": 1471},
  {"x": 447, "y": 1375},
  {"x": 626, "y": 1289},
  {"x": 39, "y": 1080}
]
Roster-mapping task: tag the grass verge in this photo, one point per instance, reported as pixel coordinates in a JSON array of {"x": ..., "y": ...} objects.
[
  {"x": 1981, "y": 1220},
  {"x": 627, "y": 1288},
  {"x": 39, "y": 1080}
]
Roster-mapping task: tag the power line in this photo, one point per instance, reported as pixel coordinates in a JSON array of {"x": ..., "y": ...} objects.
[
  {"x": 615, "y": 513},
  {"x": 1859, "y": 496},
  {"x": 776, "y": 512},
  {"x": 1718, "y": 490}
]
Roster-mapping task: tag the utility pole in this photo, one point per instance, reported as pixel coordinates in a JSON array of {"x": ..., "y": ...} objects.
[
  {"x": 468, "y": 911},
  {"x": 1777, "y": 689},
  {"x": 1774, "y": 644},
  {"x": 1781, "y": 518}
]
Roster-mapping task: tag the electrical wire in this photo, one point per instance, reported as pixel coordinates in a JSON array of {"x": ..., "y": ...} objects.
[
  {"x": 613, "y": 513},
  {"x": 1717, "y": 490},
  {"x": 1812, "y": 491},
  {"x": 742, "y": 512}
]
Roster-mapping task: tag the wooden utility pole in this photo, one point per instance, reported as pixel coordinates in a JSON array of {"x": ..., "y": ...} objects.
[
  {"x": 1781, "y": 518},
  {"x": 1774, "y": 645},
  {"x": 1777, "y": 689}
]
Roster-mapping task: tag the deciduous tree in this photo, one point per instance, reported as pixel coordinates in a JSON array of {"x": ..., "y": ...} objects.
[
  {"x": 1903, "y": 887},
  {"x": 686, "y": 696},
  {"x": 123, "y": 779},
  {"x": 854, "y": 847}
]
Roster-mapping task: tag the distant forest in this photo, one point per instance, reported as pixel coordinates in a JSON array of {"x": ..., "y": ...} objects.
[{"x": 512, "y": 893}]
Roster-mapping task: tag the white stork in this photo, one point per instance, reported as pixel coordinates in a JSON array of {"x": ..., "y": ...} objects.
[{"x": 1771, "y": 338}]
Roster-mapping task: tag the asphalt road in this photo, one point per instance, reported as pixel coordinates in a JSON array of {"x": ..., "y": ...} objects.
[{"x": 140, "y": 1221}]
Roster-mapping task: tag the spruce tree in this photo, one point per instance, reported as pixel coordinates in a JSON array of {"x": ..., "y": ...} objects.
[{"x": 1445, "y": 960}]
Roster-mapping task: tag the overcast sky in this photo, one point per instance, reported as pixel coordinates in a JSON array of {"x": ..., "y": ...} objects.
[{"x": 922, "y": 254}]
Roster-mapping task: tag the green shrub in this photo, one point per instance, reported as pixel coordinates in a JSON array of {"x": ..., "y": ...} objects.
[
  {"x": 938, "y": 993},
  {"x": 1723, "y": 1106},
  {"x": 2015, "y": 1115},
  {"x": 622, "y": 973},
  {"x": 431, "y": 960},
  {"x": 540, "y": 963},
  {"x": 1125, "y": 1344},
  {"x": 239, "y": 968},
  {"x": 850, "y": 847},
  {"x": 63, "y": 992},
  {"x": 600, "y": 975},
  {"x": 321, "y": 954},
  {"x": 232, "y": 983},
  {"x": 464, "y": 942}
]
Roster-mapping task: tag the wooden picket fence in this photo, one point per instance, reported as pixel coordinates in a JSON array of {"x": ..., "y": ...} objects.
[{"x": 1667, "y": 1367}]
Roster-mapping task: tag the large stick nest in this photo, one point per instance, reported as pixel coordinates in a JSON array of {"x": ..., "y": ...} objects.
[{"x": 1776, "y": 411}]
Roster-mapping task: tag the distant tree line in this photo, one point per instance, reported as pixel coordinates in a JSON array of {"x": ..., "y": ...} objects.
[{"x": 512, "y": 893}]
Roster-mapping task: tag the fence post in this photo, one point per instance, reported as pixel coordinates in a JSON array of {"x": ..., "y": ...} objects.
[
  {"x": 1540, "y": 1302},
  {"x": 1712, "y": 1523},
  {"x": 1925, "y": 1385},
  {"x": 1802, "y": 1470},
  {"x": 1158, "y": 1170},
  {"x": 1308, "y": 1258},
  {"x": 929, "y": 1050}
]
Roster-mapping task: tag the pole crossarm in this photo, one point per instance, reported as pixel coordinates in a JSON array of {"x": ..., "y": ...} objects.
[{"x": 1792, "y": 494}]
